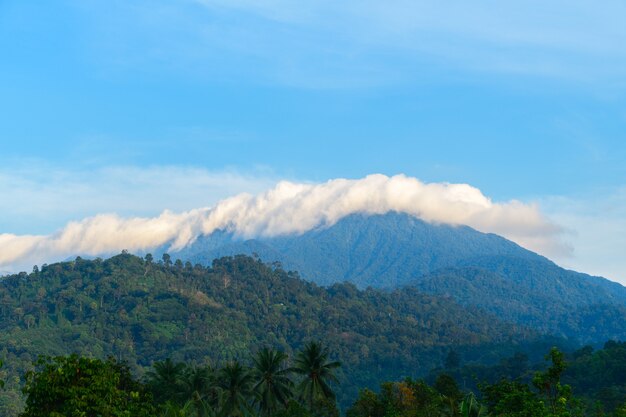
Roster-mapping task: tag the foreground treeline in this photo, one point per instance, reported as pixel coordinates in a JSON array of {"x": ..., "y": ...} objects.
[
  {"x": 77, "y": 386},
  {"x": 597, "y": 375},
  {"x": 544, "y": 396},
  {"x": 275, "y": 386}
]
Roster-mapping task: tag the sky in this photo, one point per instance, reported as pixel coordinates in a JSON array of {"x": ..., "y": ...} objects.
[{"x": 130, "y": 109}]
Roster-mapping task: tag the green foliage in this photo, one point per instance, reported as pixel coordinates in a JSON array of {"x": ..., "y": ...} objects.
[
  {"x": 274, "y": 387},
  {"x": 599, "y": 375},
  {"x": 447, "y": 387},
  {"x": 237, "y": 384},
  {"x": 164, "y": 380},
  {"x": 368, "y": 404},
  {"x": 475, "y": 269},
  {"x": 506, "y": 398},
  {"x": 197, "y": 390},
  {"x": 531, "y": 292},
  {"x": 549, "y": 385},
  {"x": 293, "y": 409},
  {"x": 550, "y": 398},
  {"x": 407, "y": 398},
  {"x": 144, "y": 312},
  {"x": 470, "y": 407},
  {"x": 513, "y": 399},
  {"x": 74, "y": 386},
  {"x": 317, "y": 371}
]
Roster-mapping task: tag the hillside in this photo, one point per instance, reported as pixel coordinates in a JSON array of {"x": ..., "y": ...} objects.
[
  {"x": 548, "y": 300},
  {"x": 382, "y": 251},
  {"x": 476, "y": 269},
  {"x": 143, "y": 311}
]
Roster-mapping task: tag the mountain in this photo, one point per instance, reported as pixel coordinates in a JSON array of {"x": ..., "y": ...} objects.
[
  {"x": 475, "y": 269},
  {"x": 141, "y": 312},
  {"x": 384, "y": 251}
]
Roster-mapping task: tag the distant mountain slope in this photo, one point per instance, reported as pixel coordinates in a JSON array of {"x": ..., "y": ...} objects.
[
  {"x": 536, "y": 303},
  {"x": 384, "y": 251},
  {"x": 142, "y": 312},
  {"x": 474, "y": 268}
]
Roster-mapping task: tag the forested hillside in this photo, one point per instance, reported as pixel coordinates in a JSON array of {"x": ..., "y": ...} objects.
[
  {"x": 143, "y": 311},
  {"x": 475, "y": 269},
  {"x": 543, "y": 297},
  {"x": 384, "y": 251}
]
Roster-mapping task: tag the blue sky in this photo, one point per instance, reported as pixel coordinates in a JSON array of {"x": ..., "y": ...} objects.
[{"x": 136, "y": 107}]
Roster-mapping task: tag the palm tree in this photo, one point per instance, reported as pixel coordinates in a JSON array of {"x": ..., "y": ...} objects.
[
  {"x": 312, "y": 363},
  {"x": 470, "y": 407},
  {"x": 197, "y": 388},
  {"x": 171, "y": 409},
  {"x": 236, "y": 384},
  {"x": 164, "y": 380},
  {"x": 273, "y": 386}
]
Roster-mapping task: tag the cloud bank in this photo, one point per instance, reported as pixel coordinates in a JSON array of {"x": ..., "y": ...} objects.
[
  {"x": 35, "y": 194},
  {"x": 289, "y": 208}
]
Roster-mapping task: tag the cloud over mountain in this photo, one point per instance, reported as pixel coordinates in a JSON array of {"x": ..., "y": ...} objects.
[{"x": 290, "y": 208}]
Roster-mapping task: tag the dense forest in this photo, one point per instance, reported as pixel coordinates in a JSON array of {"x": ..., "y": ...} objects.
[
  {"x": 141, "y": 311},
  {"x": 475, "y": 269},
  {"x": 304, "y": 386}
]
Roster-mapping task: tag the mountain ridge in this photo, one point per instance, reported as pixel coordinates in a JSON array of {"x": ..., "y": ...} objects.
[{"x": 396, "y": 250}]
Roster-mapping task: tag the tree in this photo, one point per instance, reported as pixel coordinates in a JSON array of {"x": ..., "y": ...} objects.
[
  {"x": 1, "y": 381},
  {"x": 453, "y": 360},
  {"x": 236, "y": 383},
  {"x": 312, "y": 363},
  {"x": 198, "y": 390},
  {"x": 367, "y": 404},
  {"x": 75, "y": 386},
  {"x": 447, "y": 386},
  {"x": 273, "y": 385},
  {"x": 178, "y": 265},
  {"x": 512, "y": 398},
  {"x": 549, "y": 384},
  {"x": 164, "y": 380},
  {"x": 470, "y": 407}
]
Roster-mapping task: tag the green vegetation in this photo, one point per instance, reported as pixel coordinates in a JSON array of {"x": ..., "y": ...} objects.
[
  {"x": 474, "y": 269},
  {"x": 140, "y": 311},
  {"x": 546, "y": 396},
  {"x": 76, "y": 386},
  {"x": 167, "y": 321},
  {"x": 600, "y": 376},
  {"x": 534, "y": 293},
  {"x": 316, "y": 371}
]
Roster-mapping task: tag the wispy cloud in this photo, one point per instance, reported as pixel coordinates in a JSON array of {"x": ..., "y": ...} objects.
[
  {"x": 595, "y": 226},
  {"x": 350, "y": 43},
  {"x": 36, "y": 194},
  {"x": 290, "y": 208}
]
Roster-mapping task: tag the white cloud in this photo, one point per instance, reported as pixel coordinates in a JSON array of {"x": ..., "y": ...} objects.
[
  {"x": 35, "y": 194},
  {"x": 289, "y": 208},
  {"x": 596, "y": 229}
]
